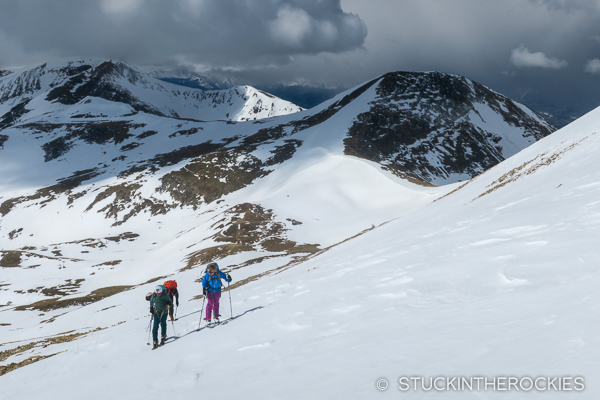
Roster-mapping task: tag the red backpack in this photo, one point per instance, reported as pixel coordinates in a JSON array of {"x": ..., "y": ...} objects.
[{"x": 170, "y": 285}]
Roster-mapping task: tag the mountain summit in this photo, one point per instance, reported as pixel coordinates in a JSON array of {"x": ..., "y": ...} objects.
[{"x": 440, "y": 128}]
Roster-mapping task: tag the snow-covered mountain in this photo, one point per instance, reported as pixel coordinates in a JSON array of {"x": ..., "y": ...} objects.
[
  {"x": 78, "y": 86},
  {"x": 304, "y": 95},
  {"x": 184, "y": 77},
  {"x": 439, "y": 127},
  {"x": 103, "y": 197}
]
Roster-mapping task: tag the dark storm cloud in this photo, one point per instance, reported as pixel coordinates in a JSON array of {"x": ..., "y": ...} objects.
[
  {"x": 544, "y": 53},
  {"x": 215, "y": 32},
  {"x": 590, "y": 5}
]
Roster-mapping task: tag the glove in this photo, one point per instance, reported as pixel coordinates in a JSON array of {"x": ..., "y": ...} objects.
[
  {"x": 177, "y": 304},
  {"x": 151, "y": 310},
  {"x": 228, "y": 278},
  {"x": 204, "y": 291}
]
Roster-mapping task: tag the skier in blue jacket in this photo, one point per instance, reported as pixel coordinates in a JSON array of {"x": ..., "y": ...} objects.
[{"x": 211, "y": 288}]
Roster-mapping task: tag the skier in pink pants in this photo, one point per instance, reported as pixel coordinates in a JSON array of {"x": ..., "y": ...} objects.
[{"x": 211, "y": 287}]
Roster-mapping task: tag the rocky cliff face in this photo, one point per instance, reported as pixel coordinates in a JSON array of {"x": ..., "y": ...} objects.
[{"x": 441, "y": 128}]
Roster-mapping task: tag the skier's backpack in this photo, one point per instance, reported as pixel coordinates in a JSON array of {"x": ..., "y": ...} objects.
[{"x": 170, "y": 285}]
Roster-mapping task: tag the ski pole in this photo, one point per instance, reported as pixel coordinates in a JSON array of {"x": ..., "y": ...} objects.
[
  {"x": 174, "y": 333},
  {"x": 201, "y": 311},
  {"x": 230, "y": 306},
  {"x": 150, "y": 323},
  {"x": 149, "y": 331}
]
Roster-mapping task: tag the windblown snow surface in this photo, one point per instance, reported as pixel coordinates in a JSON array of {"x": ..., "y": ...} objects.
[{"x": 498, "y": 278}]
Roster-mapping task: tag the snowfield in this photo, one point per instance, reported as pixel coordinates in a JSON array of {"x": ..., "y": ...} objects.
[
  {"x": 495, "y": 277},
  {"x": 499, "y": 285}
]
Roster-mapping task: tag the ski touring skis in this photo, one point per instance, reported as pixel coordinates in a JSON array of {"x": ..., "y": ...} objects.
[
  {"x": 168, "y": 340},
  {"x": 213, "y": 324}
]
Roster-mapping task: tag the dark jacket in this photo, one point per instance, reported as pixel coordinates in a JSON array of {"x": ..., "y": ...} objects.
[
  {"x": 173, "y": 292},
  {"x": 158, "y": 304}
]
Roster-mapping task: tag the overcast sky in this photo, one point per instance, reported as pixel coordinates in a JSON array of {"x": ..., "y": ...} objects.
[{"x": 545, "y": 53}]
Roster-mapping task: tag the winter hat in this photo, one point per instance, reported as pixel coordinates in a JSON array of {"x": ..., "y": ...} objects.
[
  {"x": 158, "y": 290},
  {"x": 212, "y": 267}
]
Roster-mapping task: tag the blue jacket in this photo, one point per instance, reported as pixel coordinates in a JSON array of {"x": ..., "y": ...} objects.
[{"x": 213, "y": 283}]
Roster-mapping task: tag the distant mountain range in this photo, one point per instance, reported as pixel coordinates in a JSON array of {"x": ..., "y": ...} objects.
[
  {"x": 194, "y": 80},
  {"x": 306, "y": 96},
  {"x": 432, "y": 127},
  {"x": 75, "y": 85},
  {"x": 309, "y": 96}
]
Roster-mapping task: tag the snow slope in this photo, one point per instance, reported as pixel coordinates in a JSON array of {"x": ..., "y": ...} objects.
[{"x": 498, "y": 279}]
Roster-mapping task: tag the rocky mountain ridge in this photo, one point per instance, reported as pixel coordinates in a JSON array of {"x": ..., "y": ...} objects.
[
  {"x": 73, "y": 84},
  {"x": 437, "y": 127}
]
